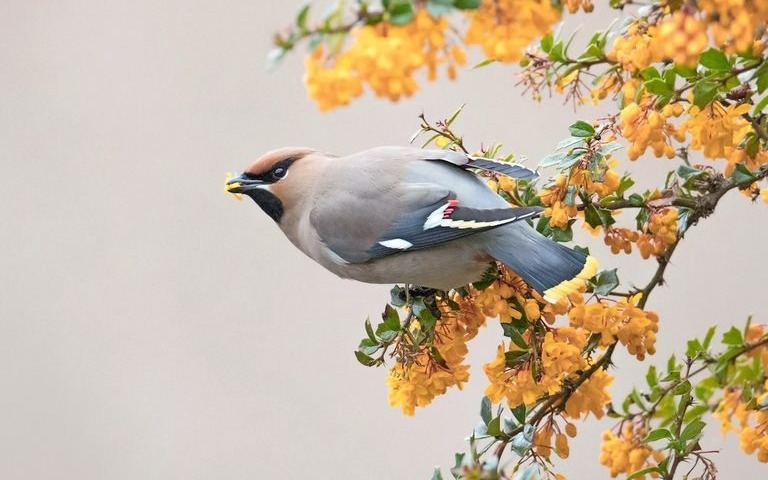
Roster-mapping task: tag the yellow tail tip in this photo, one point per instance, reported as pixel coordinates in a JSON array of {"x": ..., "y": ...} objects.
[{"x": 567, "y": 287}]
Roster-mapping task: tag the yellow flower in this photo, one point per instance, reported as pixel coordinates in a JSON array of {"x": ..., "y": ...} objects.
[
  {"x": 717, "y": 130},
  {"x": 645, "y": 127},
  {"x": 682, "y": 37},
  {"x": 385, "y": 57},
  {"x": 504, "y": 28},
  {"x": 591, "y": 396},
  {"x": 417, "y": 383},
  {"x": 625, "y": 453}
]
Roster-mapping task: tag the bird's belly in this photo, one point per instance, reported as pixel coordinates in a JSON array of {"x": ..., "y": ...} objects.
[{"x": 446, "y": 266}]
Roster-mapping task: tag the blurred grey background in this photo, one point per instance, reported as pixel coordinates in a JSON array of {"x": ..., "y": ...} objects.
[{"x": 153, "y": 328}]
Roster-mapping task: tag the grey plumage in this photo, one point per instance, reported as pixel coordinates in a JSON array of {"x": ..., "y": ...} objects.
[{"x": 406, "y": 215}]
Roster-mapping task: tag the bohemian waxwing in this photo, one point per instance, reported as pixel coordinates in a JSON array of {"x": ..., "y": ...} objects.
[{"x": 407, "y": 215}]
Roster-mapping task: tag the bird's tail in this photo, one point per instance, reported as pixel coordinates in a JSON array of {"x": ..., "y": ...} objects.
[{"x": 550, "y": 268}]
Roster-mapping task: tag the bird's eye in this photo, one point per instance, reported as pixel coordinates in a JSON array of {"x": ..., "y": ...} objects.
[{"x": 279, "y": 172}]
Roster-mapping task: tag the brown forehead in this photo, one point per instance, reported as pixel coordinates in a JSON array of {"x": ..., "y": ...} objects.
[{"x": 269, "y": 159}]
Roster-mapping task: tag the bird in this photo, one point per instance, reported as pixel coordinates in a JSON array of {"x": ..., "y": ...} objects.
[{"x": 421, "y": 217}]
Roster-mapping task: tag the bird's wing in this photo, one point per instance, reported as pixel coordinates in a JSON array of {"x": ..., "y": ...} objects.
[
  {"x": 424, "y": 215},
  {"x": 509, "y": 169}
]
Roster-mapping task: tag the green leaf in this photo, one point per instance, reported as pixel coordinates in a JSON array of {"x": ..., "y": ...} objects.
[
  {"x": 582, "y": 129},
  {"x": 657, "y": 434},
  {"x": 364, "y": 359},
  {"x": 733, "y": 337},
  {"x": 682, "y": 388},
  {"x": 301, "y": 17},
  {"x": 657, "y": 86},
  {"x": 704, "y": 92},
  {"x": 692, "y": 430},
  {"x": 515, "y": 336},
  {"x": 397, "y": 296},
  {"x": 556, "y": 52},
  {"x": 494, "y": 427},
  {"x": 437, "y": 8},
  {"x": 368, "y": 346},
  {"x": 762, "y": 78},
  {"x": 652, "y": 378},
  {"x": 708, "y": 338},
  {"x": 636, "y": 200},
  {"x": 694, "y": 348},
  {"x": 715, "y": 60},
  {"x": 467, "y": 4},
  {"x": 391, "y": 318},
  {"x": 741, "y": 174},
  {"x": 401, "y": 12},
  {"x": 514, "y": 358},
  {"x": 606, "y": 281},
  {"x": 546, "y": 43},
  {"x": 563, "y": 235},
  {"x": 424, "y": 314},
  {"x": 454, "y": 115},
  {"x": 596, "y": 216},
  {"x": 519, "y": 413},
  {"x": 436, "y": 475},
  {"x": 486, "y": 412},
  {"x": 625, "y": 184},
  {"x": 369, "y": 330},
  {"x": 650, "y": 73}
]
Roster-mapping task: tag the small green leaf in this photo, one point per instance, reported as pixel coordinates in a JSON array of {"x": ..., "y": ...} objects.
[
  {"x": 437, "y": 8},
  {"x": 652, "y": 378},
  {"x": 596, "y": 216},
  {"x": 364, "y": 359},
  {"x": 708, "y": 338},
  {"x": 397, "y": 296},
  {"x": 301, "y": 17},
  {"x": 657, "y": 86},
  {"x": 715, "y": 59},
  {"x": 733, "y": 337},
  {"x": 454, "y": 115},
  {"x": 436, "y": 475},
  {"x": 704, "y": 92},
  {"x": 467, "y": 4},
  {"x": 694, "y": 348},
  {"x": 519, "y": 413},
  {"x": 401, "y": 12},
  {"x": 742, "y": 175},
  {"x": 636, "y": 200},
  {"x": 606, "y": 281},
  {"x": 514, "y": 358},
  {"x": 657, "y": 434},
  {"x": 692, "y": 430},
  {"x": 486, "y": 412},
  {"x": 582, "y": 129},
  {"x": 484, "y": 63},
  {"x": 494, "y": 427},
  {"x": 650, "y": 73},
  {"x": 368, "y": 346},
  {"x": 682, "y": 388}
]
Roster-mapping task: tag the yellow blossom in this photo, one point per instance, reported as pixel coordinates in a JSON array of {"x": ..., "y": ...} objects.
[
  {"x": 626, "y": 453},
  {"x": 504, "y": 28}
]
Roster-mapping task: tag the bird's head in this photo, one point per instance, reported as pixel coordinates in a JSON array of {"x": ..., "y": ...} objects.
[{"x": 267, "y": 181}]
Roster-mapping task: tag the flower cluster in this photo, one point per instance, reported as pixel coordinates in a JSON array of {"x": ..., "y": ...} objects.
[
  {"x": 752, "y": 425},
  {"x": 542, "y": 439},
  {"x": 646, "y": 127},
  {"x": 682, "y": 37},
  {"x": 504, "y": 28},
  {"x": 634, "y": 327},
  {"x": 626, "y": 453},
  {"x": 561, "y": 356},
  {"x": 635, "y": 49},
  {"x": 662, "y": 232},
  {"x": 717, "y": 130},
  {"x": 735, "y": 23},
  {"x": 416, "y": 383},
  {"x": 385, "y": 57}
]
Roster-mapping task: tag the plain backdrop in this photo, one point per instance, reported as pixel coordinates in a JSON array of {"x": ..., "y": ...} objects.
[{"x": 153, "y": 328}]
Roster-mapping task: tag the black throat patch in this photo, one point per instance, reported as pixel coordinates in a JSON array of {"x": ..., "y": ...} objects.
[{"x": 271, "y": 205}]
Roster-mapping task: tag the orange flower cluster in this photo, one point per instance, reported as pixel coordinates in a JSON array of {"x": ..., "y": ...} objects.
[
  {"x": 574, "y": 5},
  {"x": 682, "y": 37},
  {"x": 751, "y": 425},
  {"x": 591, "y": 396},
  {"x": 717, "y": 130},
  {"x": 416, "y": 384},
  {"x": 553, "y": 196},
  {"x": 735, "y": 23},
  {"x": 542, "y": 439},
  {"x": 635, "y": 49},
  {"x": 626, "y": 453},
  {"x": 504, "y": 28},
  {"x": 561, "y": 356},
  {"x": 383, "y": 56},
  {"x": 634, "y": 327},
  {"x": 620, "y": 239},
  {"x": 646, "y": 127},
  {"x": 662, "y": 232}
]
